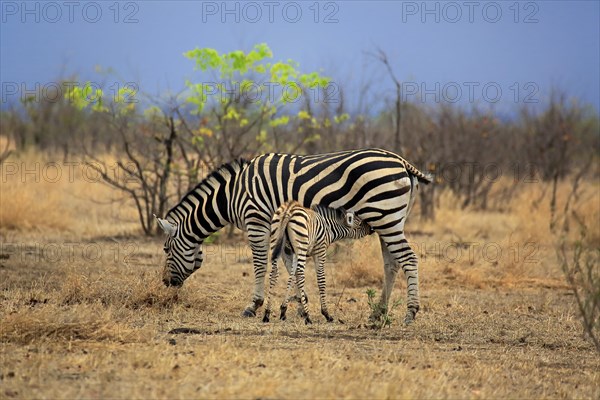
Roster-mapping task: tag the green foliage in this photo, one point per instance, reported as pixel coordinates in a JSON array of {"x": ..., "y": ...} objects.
[
  {"x": 92, "y": 98},
  {"x": 213, "y": 238},
  {"x": 230, "y": 63},
  {"x": 251, "y": 75},
  {"x": 252, "y": 100},
  {"x": 383, "y": 313},
  {"x": 341, "y": 118},
  {"x": 153, "y": 113},
  {"x": 284, "y": 120},
  {"x": 85, "y": 96}
]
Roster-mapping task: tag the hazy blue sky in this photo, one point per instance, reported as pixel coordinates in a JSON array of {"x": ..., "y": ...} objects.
[{"x": 434, "y": 46}]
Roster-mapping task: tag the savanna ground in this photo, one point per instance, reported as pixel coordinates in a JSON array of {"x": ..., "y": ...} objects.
[{"x": 84, "y": 314}]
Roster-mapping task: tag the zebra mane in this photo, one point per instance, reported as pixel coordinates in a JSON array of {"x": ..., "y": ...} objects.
[{"x": 225, "y": 170}]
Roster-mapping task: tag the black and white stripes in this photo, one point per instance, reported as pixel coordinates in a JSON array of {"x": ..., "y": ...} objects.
[
  {"x": 377, "y": 185},
  {"x": 308, "y": 232}
]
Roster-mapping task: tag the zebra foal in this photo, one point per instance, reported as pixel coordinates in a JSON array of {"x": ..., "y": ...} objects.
[{"x": 308, "y": 232}]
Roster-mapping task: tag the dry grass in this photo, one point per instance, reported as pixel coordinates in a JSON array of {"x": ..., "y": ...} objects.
[
  {"x": 356, "y": 264},
  {"x": 52, "y": 323},
  {"x": 102, "y": 336},
  {"x": 88, "y": 317},
  {"x": 42, "y": 192},
  {"x": 23, "y": 186}
]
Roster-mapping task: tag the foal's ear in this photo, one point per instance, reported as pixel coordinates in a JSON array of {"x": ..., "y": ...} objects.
[
  {"x": 166, "y": 226},
  {"x": 350, "y": 218}
]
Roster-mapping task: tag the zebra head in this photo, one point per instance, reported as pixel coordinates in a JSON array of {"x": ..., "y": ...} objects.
[{"x": 183, "y": 258}]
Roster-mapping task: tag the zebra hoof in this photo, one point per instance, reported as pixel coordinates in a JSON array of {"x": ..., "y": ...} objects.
[
  {"x": 328, "y": 317},
  {"x": 307, "y": 321},
  {"x": 248, "y": 313},
  {"x": 283, "y": 311},
  {"x": 267, "y": 315},
  {"x": 409, "y": 318}
]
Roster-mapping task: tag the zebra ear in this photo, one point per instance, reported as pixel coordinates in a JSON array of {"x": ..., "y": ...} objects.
[
  {"x": 166, "y": 226},
  {"x": 349, "y": 218}
]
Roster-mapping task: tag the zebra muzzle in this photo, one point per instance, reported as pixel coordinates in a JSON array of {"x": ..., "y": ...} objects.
[{"x": 172, "y": 282}]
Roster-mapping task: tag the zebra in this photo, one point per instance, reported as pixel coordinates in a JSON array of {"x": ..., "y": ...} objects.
[
  {"x": 377, "y": 185},
  {"x": 308, "y": 232}
]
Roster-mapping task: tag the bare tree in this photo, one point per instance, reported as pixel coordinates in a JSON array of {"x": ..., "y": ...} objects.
[
  {"x": 382, "y": 57},
  {"x": 6, "y": 151},
  {"x": 580, "y": 262},
  {"x": 144, "y": 169}
]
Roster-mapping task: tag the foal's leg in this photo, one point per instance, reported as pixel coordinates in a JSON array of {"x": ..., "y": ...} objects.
[{"x": 320, "y": 257}]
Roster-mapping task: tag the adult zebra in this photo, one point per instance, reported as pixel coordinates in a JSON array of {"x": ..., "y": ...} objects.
[{"x": 378, "y": 185}]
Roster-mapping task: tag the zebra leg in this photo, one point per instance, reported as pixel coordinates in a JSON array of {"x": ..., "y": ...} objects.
[
  {"x": 291, "y": 264},
  {"x": 289, "y": 259},
  {"x": 272, "y": 283},
  {"x": 286, "y": 299},
  {"x": 300, "y": 285},
  {"x": 410, "y": 266},
  {"x": 320, "y": 255},
  {"x": 389, "y": 277},
  {"x": 260, "y": 248},
  {"x": 400, "y": 254}
]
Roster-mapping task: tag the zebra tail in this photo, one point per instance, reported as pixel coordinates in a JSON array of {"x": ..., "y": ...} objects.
[
  {"x": 426, "y": 179},
  {"x": 280, "y": 233},
  {"x": 276, "y": 251},
  {"x": 423, "y": 177}
]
